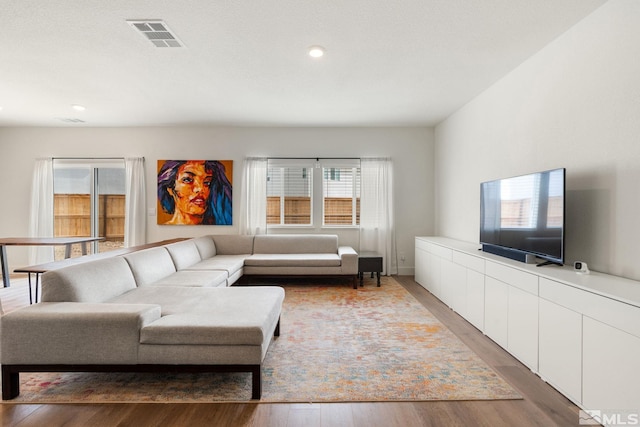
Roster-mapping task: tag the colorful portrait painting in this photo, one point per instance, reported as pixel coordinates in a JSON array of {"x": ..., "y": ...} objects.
[{"x": 195, "y": 192}]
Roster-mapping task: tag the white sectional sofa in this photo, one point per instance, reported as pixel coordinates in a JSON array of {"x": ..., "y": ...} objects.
[{"x": 165, "y": 308}]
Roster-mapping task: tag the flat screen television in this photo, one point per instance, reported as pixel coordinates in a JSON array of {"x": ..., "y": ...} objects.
[{"x": 523, "y": 217}]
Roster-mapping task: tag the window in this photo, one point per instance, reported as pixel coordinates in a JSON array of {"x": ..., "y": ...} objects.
[
  {"x": 89, "y": 200},
  {"x": 289, "y": 189},
  {"x": 341, "y": 196},
  {"x": 301, "y": 190}
]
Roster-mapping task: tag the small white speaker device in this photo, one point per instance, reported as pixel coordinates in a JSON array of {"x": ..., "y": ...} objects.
[{"x": 581, "y": 267}]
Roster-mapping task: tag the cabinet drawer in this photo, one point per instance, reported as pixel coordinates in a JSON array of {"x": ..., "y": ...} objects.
[
  {"x": 524, "y": 281},
  {"x": 471, "y": 262},
  {"x": 614, "y": 313}
]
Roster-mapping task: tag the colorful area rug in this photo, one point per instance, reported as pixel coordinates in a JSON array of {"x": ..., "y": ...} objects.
[{"x": 337, "y": 344}]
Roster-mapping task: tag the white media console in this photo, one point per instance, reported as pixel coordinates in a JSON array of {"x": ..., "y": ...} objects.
[{"x": 578, "y": 332}]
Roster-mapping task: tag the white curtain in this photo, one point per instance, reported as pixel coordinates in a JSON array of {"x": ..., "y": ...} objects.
[
  {"x": 135, "y": 220},
  {"x": 377, "y": 230},
  {"x": 41, "y": 212},
  {"x": 253, "y": 196}
]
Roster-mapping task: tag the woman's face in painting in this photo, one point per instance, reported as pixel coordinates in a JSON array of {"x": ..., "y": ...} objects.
[{"x": 192, "y": 188}]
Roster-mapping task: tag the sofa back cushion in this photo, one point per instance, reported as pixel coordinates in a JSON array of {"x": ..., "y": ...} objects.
[
  {"x": 233, "y": 244},
  {"x": 184, "y": 253},
  {"x": 150, "y": 265},
  {"x": 206, "y": 246},
  {"x": 94, "y": 281},
  {"x": 295, "y": 243}
]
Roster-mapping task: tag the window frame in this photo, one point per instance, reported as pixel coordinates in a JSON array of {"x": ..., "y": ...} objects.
[
  {"x": 315, "y": 169},
  {"x": 330, "y": 165},
  {"x": 92, "y": 165},
  {"x": 292, "y": 163}
]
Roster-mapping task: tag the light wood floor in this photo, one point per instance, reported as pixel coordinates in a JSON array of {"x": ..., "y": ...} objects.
[{"x": 541, "y": 406}]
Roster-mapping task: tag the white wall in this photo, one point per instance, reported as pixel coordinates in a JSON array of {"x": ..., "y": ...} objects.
[
  {"x": 410, "y": 148},
  {"x": 575, "y": 104}
]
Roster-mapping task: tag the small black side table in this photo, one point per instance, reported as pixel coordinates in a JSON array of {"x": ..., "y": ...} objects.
[{"x": 369, "y": 262}]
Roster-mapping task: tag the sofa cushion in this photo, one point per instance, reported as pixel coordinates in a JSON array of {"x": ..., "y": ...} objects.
[
  {"x": 221, "y": 316},
  {"x": 233, "y": 244},
  {"x": 199, "y": 329},
  {"x": 184, "y": 253},
  {"x": 150, "y": 265},
  {"x": 293, "y": 260},
  {"x": 171, "y": 299},
  {"x": 228, "y": 263},
  {"x": 206, "y": 246},
  {"x": 197, "y": 278},
  {"x": 295, "y": 244},
  {"x": 95, "y": 281},
  {"x": 214, "y": 316}
]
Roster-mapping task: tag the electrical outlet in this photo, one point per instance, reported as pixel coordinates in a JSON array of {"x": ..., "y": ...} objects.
[{"x": 403, "y": 258}]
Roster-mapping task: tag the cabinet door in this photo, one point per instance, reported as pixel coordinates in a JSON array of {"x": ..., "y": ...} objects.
[
  {"x": 446, "y": 286},
  {"x": 421, "y": 267},
  {"x": 611, "y": 378},
  {"x": 454, "y": 285},
  {"x": 522, "y": 324},
  {"x": 496, "y": 300},
  {"x": 560, "y": 348},
  {"x": 475, "y": 299},
  {"x": 433, "y": 275}
]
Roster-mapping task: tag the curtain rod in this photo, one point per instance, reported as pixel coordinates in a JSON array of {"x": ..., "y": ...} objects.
[
  {"x": 88, "y": 158},
  {"x": 313, "y": 158},
  {"x": 96, "y": 158}
]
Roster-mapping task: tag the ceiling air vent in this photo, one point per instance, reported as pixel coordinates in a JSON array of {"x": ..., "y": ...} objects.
[
  {"x": 71, "y": 120},
  {"x": 156, "y": 32}
]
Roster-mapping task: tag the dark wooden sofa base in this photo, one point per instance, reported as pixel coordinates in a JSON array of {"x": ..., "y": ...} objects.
[{"x": 11, "y": 373}]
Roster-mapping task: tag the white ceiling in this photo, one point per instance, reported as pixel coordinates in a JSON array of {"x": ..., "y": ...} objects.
[{"x": 388, "y": 63}]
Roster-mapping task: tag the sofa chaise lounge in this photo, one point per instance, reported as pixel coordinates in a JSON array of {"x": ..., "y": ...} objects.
[{"x": 168, "y": 308}]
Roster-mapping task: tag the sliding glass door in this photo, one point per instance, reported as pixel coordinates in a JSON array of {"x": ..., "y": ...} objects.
[{"x": 89, "y": 200}]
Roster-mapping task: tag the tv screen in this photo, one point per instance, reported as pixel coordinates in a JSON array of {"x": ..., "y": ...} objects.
[{"x": 524, "y": 215}]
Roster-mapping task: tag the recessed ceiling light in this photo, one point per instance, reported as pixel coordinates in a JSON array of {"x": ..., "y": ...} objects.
[
  {"x": 316, "y": 51},
  {"x": 78, "y": 107}
]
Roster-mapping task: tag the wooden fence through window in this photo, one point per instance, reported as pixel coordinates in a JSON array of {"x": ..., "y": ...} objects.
[
  {"x": 72, "y": 215},
  {"x": 297, "y": 210}
]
